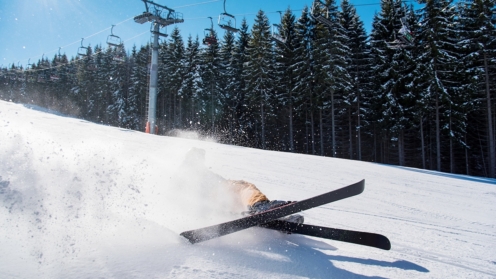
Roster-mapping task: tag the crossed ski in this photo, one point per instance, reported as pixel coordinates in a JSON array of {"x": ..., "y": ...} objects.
[{"x": 268, "y": 219}]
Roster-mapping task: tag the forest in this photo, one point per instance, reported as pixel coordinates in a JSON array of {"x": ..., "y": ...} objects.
[{"x": 418, "y": 91}]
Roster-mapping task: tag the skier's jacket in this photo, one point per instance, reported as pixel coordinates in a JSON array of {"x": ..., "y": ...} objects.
[{"x": 246, "y": 191}]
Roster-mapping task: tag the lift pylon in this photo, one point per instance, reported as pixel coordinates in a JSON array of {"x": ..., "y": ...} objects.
[{"x": 158, "y": 21}]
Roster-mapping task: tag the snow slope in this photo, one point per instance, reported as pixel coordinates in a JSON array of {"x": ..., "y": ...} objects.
[{"x": 81, "y": 200}]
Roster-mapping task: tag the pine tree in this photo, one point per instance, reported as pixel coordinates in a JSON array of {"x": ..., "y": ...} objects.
[
  {"x": 190, "y": 88},
  {"x": 359, "y": 63},
  {"x": 240, "y": 105},
  {"x": 478, "y": 33},
  {"x": 301, "y": 67},
  {"x": 339, "y": 81},
  {"x": 321, "y": 97},
  {"x": 117, "y": 108},
  {"x": 436, "y": 34},
  {"x": 286, "y": 78},
  {"x": 259, "y": 74},
  {"x": 227, "y": 85},
  {"x": 210, "y": 76},
  {"x": 175, "y": 68},
  {"x": 394, "y": 100},
  {"x": 138, "y": 89}
]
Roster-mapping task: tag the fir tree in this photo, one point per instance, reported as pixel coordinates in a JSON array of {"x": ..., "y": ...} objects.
[
  {"x": 439, "y": 58},
  {"x": 359, "y": 63},
  {"x": 190, "y": 88},
  {"x": 259, "y": 74},
  {"x": 240, "y": 106},
  {"x": 301, "y": 67},
  {"x": 286, "y": 78},
  {"x": 478, "y": 35},
  {"x": 210, "y": 76},
  {"x": 227, "y": 84}
]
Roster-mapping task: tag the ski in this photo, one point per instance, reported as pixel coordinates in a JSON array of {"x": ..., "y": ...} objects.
[
  {"x": 356, "y": 237},
  {"x": 214, "y": 231}
]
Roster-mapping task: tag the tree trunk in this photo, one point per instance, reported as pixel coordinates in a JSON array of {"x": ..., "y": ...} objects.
[
  {"x": 438, "y": 136},
  {"x": 312, "y": 131},
  {"x": 291, "y": 136},
  {"x": 490, "y": 132},
  {"x": 401, "y": 148},
  {"x": 321, "y": 133},
  {"x": 263, "y": 122},
  {"x": 350, "y": 135},
  {"x": 422, "y": 144},
  {"x": 359, "y": 127},
  {"x": 333, "y": 128}
]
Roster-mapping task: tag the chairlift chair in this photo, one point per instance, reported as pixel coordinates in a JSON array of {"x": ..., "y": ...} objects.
[
  {"x": 209, "y": 39},
  {"x": 275, "y": 34},
  {"x": 405, "y": 33},
  {"x": 209, "y": 35},
  {"x": 405, "y": 38},
  {"x": 227, "y": 21},
  {"x": 22, "y": 76},
  {"x": 41, "y": 79},
  {"x": 119, "y": 58},
  {"x": 91, "y": 67},
  {"x": 82, "y": 50},
  {"x": 114, "y": 40},
  {"x": 118, "y": 55},
  {"x": 316, "y": 13}
]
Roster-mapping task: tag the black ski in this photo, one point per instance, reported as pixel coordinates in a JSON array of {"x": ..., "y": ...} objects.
[
  {"x": 356, "y": 237},
  {"x": 206, "y": 233}
]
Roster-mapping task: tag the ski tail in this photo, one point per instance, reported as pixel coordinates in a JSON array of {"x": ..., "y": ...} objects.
[{"x": 355, "y": 237}]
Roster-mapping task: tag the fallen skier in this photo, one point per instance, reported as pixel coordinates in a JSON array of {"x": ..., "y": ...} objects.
[{"x": 194, "y": 172}]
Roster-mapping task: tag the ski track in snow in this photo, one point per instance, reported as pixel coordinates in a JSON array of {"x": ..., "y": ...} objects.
[{"x": 81, "y": 200}]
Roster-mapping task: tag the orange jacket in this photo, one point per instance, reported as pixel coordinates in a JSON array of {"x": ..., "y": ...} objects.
[{"x": 247, "y": 192}]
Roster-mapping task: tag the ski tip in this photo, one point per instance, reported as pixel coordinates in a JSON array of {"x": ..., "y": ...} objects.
[
  {"x": 384, "y": 243},
  {"x": 189, "y": 236}
]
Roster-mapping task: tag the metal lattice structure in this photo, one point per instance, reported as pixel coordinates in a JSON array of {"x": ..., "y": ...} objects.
[{"x": 160, "y": 16}]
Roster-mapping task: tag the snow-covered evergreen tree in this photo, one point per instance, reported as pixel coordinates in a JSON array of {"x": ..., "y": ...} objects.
[
  {"x": 259, "y": 75},
  {"x": 302, "y": 68},
  {"x": 240, "y": 106},
  {"x": 227, "y": 85},
  {"x": 338, "y": 81},
  {"x": 286, "y": 80},
  {"x": 358, "y": 65},
  {"x": 437, "y": 36},
  {"x": 209, "y": 77},
  {"x": 138, "y": 88},
  {"x": 175, "y": 75},
  {"x": 190, "y": 86},
  {"x": 478, "y": 33}
]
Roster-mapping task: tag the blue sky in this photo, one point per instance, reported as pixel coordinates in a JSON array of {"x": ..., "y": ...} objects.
[{"x": 30, "y": 29}]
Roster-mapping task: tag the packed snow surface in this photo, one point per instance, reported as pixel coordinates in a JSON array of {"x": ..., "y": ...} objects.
[{"x": 82, "y": 200}]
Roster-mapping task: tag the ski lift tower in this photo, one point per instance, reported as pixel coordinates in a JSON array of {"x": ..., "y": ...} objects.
[{"x": 155, "y": 14}]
